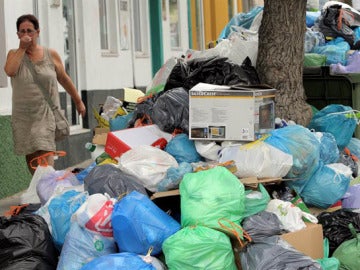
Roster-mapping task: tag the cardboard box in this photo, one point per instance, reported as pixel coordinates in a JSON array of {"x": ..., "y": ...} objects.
[
  {"x": 308, "y": 241},
  {"x": 100, "y": 135},
  {"x": 118, "y": 142},
  {"x": 240, "y": 113}
]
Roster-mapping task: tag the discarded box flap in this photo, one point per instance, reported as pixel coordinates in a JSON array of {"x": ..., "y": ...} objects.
[
  {"x": 251, "y": 87},
  {"x": 208, "y": 86},
  {"x": 101, "y": 130},
  {"x": 169, "y": 202},
  {"x": 132, "y": 95},
  {"x": 308, "y": 241},
  {"x": 254, "y": 181},
  {"x": 100, "y": 135},
  {"x": 120, "y": 141},
  {"x": 100, "y": 139},
  {"x": 162, "y": 194}
]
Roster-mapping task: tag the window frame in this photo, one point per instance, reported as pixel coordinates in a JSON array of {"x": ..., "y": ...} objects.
[
  {"x": 124, "y": 24},
  {"x": 140, "y": 28},
  {"x": 110, "y": 35},
  {"x": 179, "y": 36}
]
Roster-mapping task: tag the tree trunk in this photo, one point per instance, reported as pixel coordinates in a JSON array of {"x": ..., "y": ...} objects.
[{"x": 281, "y": 55}]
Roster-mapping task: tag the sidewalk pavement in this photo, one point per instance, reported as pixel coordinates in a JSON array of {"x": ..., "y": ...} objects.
[{"x": 15, "y": 199}]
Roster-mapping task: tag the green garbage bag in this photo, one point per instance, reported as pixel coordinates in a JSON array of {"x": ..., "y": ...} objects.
[
  {"x": 348, "y": 253},
  {"x": 210, "y": 195},
  {"x": 314, "y": 60},
  {"x": 198, "y": 247},
  {"x": 256, "y": 200},
  {"x": 327, "y": 263}
]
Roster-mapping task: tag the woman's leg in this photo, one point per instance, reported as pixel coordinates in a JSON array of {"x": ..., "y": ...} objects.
[{"x": 43, "y": 158}]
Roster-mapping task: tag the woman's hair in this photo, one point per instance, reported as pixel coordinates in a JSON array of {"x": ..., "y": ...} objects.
[{"x": 28, "y": 17}]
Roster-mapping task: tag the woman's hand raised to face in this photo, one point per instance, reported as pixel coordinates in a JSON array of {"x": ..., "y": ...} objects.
[{"x": 25, "y": 42}]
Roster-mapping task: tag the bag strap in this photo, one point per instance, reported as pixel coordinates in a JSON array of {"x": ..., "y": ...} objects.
[
  {"x": 236, "y": 231},
  {"x": 31, "y": 68}
]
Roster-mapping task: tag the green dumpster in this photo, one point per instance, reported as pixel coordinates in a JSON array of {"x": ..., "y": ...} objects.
[{"x": 323, "y": 88}]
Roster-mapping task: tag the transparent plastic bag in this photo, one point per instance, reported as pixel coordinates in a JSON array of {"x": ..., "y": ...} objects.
[{"x": 31, "y": 196}]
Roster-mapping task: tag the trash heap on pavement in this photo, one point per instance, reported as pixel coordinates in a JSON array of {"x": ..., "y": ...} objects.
[
  {"x": 200, "y": 174},
  {"x": 331, "y": 39}
]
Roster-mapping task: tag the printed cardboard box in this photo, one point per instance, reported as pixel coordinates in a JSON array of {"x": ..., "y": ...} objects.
[{"x": 238, "y": 113}]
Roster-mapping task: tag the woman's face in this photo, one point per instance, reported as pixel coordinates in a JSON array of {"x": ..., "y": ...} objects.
[{"x": 27, "y": 29}]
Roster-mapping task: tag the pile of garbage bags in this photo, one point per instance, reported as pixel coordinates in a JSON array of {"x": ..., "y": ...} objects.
[
  {"x": 176, "y": 203},
  {"x": 110, "y": 214},
  {"x": 332, "y": 36}
]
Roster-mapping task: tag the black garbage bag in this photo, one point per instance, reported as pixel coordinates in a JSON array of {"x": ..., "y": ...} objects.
[
  {"x": 111, "y": 180},
  {"x": 26, "y": 244},
  {"x": 177, "y": 76},
  {"x": 274, "y": 253},
  {"x": 262, "y": 225},
  {"x": 171, "y": 110},
  {"x": 143, "y": 110},
  {"x": 336, "y": 226},
  {"x": 215, "y": 70},
  {"x": 336, "y": 21}
]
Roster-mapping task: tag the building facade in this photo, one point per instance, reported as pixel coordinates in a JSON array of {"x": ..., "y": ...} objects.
[{"x": 107, "y": 45}]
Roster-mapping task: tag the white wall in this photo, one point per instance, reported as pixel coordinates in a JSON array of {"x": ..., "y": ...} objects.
[
  {"x": 99, "y": 71},
  {"x": 95, "y": 71},
  {"x": 12, "y": 10},
  {"x": 184, "y": 35}
]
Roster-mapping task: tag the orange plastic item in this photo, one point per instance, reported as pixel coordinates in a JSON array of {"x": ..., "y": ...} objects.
[{"x": 42, "y": 161}]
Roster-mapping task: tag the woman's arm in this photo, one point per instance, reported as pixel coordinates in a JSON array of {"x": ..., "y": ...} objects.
[
  {"x": 66, "y": 82},
  {"x": 14, "y": 57},
  {"x": 13, "y": 61}
]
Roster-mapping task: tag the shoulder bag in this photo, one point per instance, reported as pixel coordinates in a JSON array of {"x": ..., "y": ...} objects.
[{"x": 62, "y": 129}]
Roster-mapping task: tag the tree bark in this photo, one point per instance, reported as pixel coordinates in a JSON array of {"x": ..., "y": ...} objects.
[{"x": 281, "y": 55}]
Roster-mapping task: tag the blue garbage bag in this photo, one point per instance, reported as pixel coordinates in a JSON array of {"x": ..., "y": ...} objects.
[
  {"x": 302, "y": 144},
  {"x": 329, "y": 152},
  {"x": 124, "y": 260},
  {"x": 242, "y": 19},
  {"x": 326, "y": 186},
  {"x": 138, "y": 223},
  {"x": 61, "y": 209},
  {"x": 338, "y": 120},
  {"x": 182, "y": 149}
]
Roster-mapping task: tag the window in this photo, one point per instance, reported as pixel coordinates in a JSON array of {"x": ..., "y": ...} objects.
[
  {"x": 199, "y": 37},
  {"x": 104, "y": 36},
  {"x": 231, "y": 9},
  {"x": 174, "y": 24},
  {"x": 107, "y": 21},
  {"x": 124, "y": 24},
  {"x": 36, "y": 8},
  {"x": 140, "y": 14}
]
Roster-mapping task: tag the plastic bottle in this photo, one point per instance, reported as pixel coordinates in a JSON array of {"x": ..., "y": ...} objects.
[
  {"x": 95, "y": 149},
  {"x": 90, "y": 146},
  {"x": 280, "y": 123}
]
